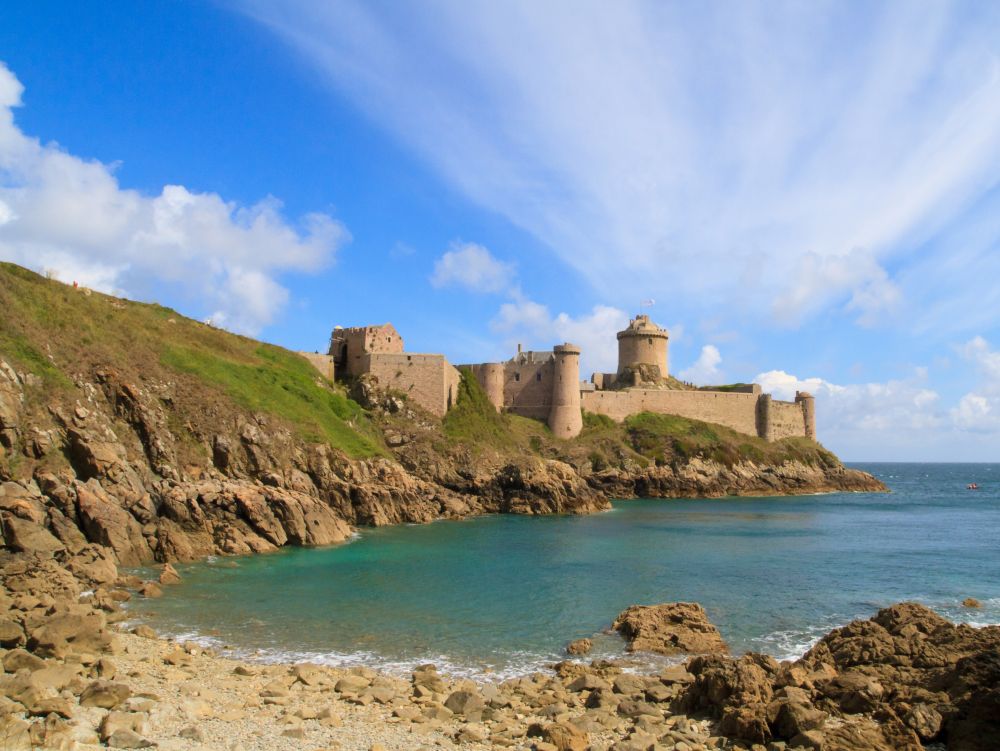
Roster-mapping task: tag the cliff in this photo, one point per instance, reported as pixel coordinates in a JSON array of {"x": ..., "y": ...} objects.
[{"x": 127, "y": 425}]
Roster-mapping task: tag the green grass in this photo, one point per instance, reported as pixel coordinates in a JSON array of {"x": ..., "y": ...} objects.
[
  {"x": 226, "y": 372},
  {"x": 741, "y": 387},
  {"x": 283, "y": 383},
  {"x": 668, "y": 438},
  {"x": 474, "y": 420},
  {"x": 22, "y": 355}
]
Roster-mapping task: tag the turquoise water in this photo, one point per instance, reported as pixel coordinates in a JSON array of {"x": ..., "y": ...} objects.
[{"x": 504, "y": 593}]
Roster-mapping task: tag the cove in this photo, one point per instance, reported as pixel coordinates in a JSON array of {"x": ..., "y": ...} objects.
[{"x": 503, "y": 594}]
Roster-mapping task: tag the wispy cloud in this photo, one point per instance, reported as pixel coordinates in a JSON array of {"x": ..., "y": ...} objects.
[
  {"x": 69, "y": 216},
  {"x": 707, "y": 153}
]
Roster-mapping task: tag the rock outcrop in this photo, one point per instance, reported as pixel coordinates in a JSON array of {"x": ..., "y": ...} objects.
[
  {"x": 669, "y": 629},
  {"x": 905, "y": 677}
]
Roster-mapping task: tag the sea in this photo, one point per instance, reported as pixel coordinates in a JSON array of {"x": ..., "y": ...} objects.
[{"x": 499, "y": 596}]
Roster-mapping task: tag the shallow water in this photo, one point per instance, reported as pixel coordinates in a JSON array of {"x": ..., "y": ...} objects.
[{"x": 503, "y": 594}]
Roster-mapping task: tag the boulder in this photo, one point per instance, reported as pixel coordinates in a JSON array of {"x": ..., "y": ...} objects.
[
  {"x": 467, "y": 703},
  {"x": 669, "y": 629},
  {"x": 65, "y": 634},
  {"x": 104, "y": 694},
  {"x": 579, "y": 647},
  {"x": 28, "y": 537},
  {"x": 565, "y": 737},
  {"x": 721, "y": 681},
  {"x": 971, "y": 602},
  {"x": 169, "y": 575},
  {"x": 11, "y": 633}
]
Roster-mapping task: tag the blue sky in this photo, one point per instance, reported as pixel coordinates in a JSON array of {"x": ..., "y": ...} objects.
[{"x": 809, "y": 191}]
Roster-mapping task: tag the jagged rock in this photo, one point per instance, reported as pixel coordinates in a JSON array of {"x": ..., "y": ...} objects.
[
  {"x": 18, "y": 659},
  {"x": 971, "y": 602},
  {"x": 670, "y": 628},
  {"x": 924, "y": 720},
  {"x": 106, "y": 523},
  {"x": 94, "y": 565},
  {"x": 565, "y": 736},
  {"x": 128, "y": 739},
  {"x": 721, "y": 682},
  {"x": 579, "y": 647},
  {"x": 28, "y": 537},
  {"x": 169, "y": 575},
  {"x": 150, "y": 589}
]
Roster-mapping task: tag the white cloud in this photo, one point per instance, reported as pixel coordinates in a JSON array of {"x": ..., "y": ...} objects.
[
  {"x": 979, "y": 410},
  {"x": 987, "y": 361},
  {"x": 524, "y": 321},
  {"x": 67, "y": 215},
  {"x": 730, "y": 156},
  {"x": 977, "y": 413},
  {"x": 704, "y": 370},
  {"x": 889, "y": 408},
  {"x": 473, "y": 267}
]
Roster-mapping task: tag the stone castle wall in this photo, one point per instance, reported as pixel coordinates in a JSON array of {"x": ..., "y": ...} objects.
[
  {"x": 787, "y": 420},
  {"x": 527, "y": 389},
  {"x": 732, "y": 409},
  {"x": 429, "y": 380},
  {"x": 638, "y": 349},
  {"x": 350, "y": 346},
  {"x": 322, "y": 363}
]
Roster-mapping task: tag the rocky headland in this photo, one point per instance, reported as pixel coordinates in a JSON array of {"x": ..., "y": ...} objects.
[{"x": 130, "y": 435}]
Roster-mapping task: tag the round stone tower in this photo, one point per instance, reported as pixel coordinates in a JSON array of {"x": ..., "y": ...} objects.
[
  {"x": 565, "y": 417},
  {"x": 808, "y": 403},
  {"x": 490, "y": 377},
  {"x": 642, "y": 346}
]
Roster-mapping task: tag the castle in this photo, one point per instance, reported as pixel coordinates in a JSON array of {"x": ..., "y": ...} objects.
[{"x": 546, "y": 385}]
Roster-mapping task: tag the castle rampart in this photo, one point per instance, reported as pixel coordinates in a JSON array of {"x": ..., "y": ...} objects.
[
  {"x": 734, "y": 410},
  {"x": 429, "y": 380},
  {"x": 322, "y": 363}
]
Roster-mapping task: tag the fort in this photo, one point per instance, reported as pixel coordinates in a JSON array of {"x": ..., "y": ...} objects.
[{"x": 546, "y": 385}]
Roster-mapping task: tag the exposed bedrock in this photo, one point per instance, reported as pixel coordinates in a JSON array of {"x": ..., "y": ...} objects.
[
  {"x": 894, "y": 682},
  {"x": 100, "y": 464}
]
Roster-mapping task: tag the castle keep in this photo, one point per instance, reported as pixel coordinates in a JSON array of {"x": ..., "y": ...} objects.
[
  {"x": 429, "y": 380},
  {"x": 546, "y": 385}
]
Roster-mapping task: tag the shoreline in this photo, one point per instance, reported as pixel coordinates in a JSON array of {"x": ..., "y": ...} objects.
[{"x": 75, "y": 678}]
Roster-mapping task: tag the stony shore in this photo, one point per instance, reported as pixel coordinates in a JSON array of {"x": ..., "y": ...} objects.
[{"x": 73, "y": 678}]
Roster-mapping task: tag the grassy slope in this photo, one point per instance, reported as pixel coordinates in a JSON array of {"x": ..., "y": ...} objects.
[{"x": 56, "y": 332}]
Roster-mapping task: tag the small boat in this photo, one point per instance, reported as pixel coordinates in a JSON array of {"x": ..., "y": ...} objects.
[{"x": 972, "y": 486}]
